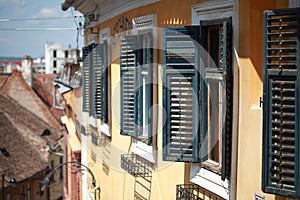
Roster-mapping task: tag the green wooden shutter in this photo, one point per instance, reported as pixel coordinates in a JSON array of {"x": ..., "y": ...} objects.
[
  {"x": 281, "y": 103},
  {"x": 85, "y": 80},
  {"x": 128, "y": 64},
  {"x": 226, "y": 49},
  {"x": 180, "y": 99},
  {"x": 98, "y": 82},
  {"x": 105, "y": 63}
]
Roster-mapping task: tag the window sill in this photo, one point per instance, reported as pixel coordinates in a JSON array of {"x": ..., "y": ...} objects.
[
  {"x": 104, "y": 128},
  {"x": 212, "y": 166},
  {"x": 209, "y": 180},
  {"x": 143, "y": 150}
]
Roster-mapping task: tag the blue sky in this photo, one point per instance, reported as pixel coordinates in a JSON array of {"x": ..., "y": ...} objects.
[{"x": 20, "y": 43}]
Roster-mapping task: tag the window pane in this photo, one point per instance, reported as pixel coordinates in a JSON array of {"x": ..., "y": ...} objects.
[
  {"x": 214, "y": 119},
  {"x": 144, "y": 90}
]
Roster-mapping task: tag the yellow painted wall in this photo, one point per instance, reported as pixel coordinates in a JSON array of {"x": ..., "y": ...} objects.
[{"x": 118, "y": 184}]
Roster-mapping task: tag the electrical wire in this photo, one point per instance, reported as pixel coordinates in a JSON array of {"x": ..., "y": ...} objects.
[
  {"x": 38, "y": 29},
  {"x": 38, "y": 18},
  {"x": 77, "y": 35}
]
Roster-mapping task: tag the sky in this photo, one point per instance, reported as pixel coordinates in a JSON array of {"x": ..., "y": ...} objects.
[{"x": 20, "y": 19}]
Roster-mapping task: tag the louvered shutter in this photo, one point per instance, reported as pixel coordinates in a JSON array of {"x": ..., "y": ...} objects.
[
  {"x": 104, "y": 116},
  {"x": 128, "y": 64},
  {"x": 226, "y": 49},
  {"x": 180, "y": 101},
  {"x": 98, "y": 83},
  {"x": 85, "y": 80},
  {"x": 281, "y": 103}
]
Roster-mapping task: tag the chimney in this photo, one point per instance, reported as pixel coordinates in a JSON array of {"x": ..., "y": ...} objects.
[{"x": 26, "y": 69}]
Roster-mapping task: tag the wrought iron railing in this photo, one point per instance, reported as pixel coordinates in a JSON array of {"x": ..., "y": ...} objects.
[
  {"x": 136, "y": 165},
  {"x": 188, "y": 192}
]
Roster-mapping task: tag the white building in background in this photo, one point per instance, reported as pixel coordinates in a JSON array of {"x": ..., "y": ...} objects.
[{"x": 56, "y": 57}]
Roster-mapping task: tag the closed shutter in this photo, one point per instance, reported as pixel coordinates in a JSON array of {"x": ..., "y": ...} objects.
[
  {"x": 180, "y": 101},
  {"x": 281, "y": 103},
  {"x": 128, "y": 64},
  {"x": 226, "y": 49},
  {"x": 98, "y": 83},
  {"x": 85, "y": 80}
]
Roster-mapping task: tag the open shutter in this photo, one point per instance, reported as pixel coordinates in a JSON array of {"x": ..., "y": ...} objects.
[
  {"x": 98, "y": 83},
  {"x": 226, "y": 49},
  {"x": 85, "y": 80},
  {"x": 180, "y": 99},
  {"x": 128, "y": 64},
  {"x": 281, "y": 103},
  {"x": 104, "y": 116}
]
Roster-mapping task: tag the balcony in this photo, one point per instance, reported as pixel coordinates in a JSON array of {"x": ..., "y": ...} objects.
[
  {"x": 188, "y": 192},
  {"x": 136, "y": 165},
  {"x": 194, "y": 192}
]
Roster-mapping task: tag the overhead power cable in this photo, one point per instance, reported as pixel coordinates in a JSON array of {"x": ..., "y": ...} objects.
[
  {"x": 38, "y": 29},
  {"x": 37, "y": 18}
]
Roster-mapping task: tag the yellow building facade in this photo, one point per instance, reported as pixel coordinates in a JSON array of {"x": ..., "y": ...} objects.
[{"x": 170, "y": 103}]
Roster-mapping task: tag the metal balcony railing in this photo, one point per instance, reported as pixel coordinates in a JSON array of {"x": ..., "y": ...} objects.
[
  {"x": 136, "y": 165},
  {"x": 188, "y": 192}
]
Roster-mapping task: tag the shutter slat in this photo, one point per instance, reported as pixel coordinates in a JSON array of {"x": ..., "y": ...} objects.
[
  {"x": 280, "y": 102},
  {"x": 85, "y": 77},
  {"x": 98, "y": 71},
  {"x": 128, "y": 64},
  {"x": 181, "y": 138}
]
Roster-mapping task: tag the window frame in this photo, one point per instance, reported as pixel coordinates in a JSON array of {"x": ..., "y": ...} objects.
[{"x": 144, "y": 27}]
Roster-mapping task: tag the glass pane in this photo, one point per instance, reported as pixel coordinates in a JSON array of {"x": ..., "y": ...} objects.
[
  {"x": 144, "y": 90},
  {"x": 214, "y": 119},
  {"x": 214, "y": 45}
]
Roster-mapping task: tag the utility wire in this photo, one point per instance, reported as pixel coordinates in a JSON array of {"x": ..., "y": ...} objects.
[
  {"x": 38, "y": 18},
  {"x": 38, "y": 29}
]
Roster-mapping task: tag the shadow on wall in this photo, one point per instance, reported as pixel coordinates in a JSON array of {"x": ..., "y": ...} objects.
[{"x": 142, "y": 188}]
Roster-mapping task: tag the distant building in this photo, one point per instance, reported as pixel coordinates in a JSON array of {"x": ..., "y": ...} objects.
[
  {"x": 39, "y": 65},
  {"x": 30, "y": 140},
  {"x": 30, "y": 135},
  {"x": 56, "y": 57}
]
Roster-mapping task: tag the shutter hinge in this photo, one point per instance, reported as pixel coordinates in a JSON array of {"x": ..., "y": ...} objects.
[{"x": 261, "y": 102}]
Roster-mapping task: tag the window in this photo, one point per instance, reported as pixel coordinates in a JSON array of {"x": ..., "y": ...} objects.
[
  {"x": 52, "y": 167},
  {"x": 100, "y": 62},
  {"x": 85, "y": 79},
  {"x": 95, "y": 80},
  {"x": 281, "y": 156},
  {"x": 66, "y": 53},
  {"x": 54, "y": 53},
  {"x": 28, "y": 191},
  {"x": 144, "y": 88},
  {"x": 137, "y": 81},
  {"x": 197, "y": 94},
  {"x": 54, "y": 63},
  {"x": 22, "y": 193},
  {"x": 136, "y": 89},
  {"x": 61, "y": 171}
]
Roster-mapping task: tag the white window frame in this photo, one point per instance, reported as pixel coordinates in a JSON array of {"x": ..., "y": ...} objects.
[
  {"x": 210, "y": 10},
  {"x": 139, "y": 24}
]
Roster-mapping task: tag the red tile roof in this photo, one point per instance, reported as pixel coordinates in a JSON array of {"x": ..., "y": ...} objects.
[
  {"x": 19, "y": 90},
  {"x": 20, "y": 136},
  {"x": 43, "y": 87}
]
